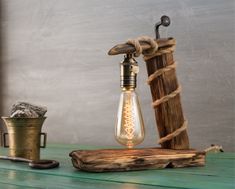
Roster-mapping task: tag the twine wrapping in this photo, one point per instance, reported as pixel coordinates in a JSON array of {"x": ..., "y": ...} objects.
[
  {"x": 138, "y": 48},
  {"x": 174, "y": 134},
  {"x": 160, "y": 52},
  {"x": 160, "y": 72},
  {"x": 166, "y": 98}
]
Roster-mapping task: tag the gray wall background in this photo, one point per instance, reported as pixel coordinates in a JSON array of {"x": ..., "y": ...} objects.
[{"x": 54, "y": 53}]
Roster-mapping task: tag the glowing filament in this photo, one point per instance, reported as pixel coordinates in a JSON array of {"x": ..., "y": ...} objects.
[{"x": 129, "y": 123}]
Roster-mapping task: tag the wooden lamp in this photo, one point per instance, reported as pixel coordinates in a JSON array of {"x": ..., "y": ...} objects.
[{"x": 175, "y": 151}]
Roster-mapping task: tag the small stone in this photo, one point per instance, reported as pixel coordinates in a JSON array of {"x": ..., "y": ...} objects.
[{"x": 27, "y": 110}]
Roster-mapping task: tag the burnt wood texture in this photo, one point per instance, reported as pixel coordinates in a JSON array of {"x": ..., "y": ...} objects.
[
  {"x": 169, "y": 115},
  {"x": 107, "y": 160}
]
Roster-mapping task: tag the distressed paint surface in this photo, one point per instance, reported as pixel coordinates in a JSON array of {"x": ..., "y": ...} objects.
[
  {"x": 218, "y": 173},
  {"x": 54, "y": 52}
]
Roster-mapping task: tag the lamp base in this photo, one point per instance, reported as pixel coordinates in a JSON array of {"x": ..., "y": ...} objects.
[{"x": 108, "y": 160}]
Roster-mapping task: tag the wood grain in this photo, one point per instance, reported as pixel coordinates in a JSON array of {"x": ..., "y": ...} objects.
[
  {"x": 106, "y": 160},
  {"x": 128, "y": 49},
  {"x": 169, "y": 115}
]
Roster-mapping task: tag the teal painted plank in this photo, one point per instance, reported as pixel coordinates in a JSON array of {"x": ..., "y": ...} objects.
[
  {"x": 218, "y": 173},
  {"x": 21, "y": 180},
  {"x": 146, "y": 178},
  {"x": 13, "y": 186}
]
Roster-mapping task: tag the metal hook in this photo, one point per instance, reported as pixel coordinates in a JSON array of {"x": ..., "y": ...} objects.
[{"x": 165, "y": 21}]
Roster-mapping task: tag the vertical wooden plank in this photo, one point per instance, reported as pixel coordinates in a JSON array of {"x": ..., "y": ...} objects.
[{"x": 169, "y": 115}]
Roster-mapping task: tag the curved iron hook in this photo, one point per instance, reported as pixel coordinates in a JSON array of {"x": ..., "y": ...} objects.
[{"x": 165, "y": 21}]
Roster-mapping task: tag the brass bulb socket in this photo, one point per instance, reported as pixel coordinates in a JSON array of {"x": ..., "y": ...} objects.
[{"x": 128, "y": 72}]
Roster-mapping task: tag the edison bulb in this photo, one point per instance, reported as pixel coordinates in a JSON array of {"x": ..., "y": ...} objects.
[{"x": 129, "y": 129}]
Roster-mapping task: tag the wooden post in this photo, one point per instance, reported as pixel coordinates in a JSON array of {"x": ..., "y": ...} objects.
[{"x": 169, "y": 114}]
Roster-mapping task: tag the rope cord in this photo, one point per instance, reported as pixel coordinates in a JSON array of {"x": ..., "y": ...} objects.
[
  {"x": 139, "y": 49},
  {"x": 148, "y": 54},
  {"x": 160, "y": 52},
  {"x": 174, "y": 134},
  {"x": 214, "y": 148},
  {"x": 160, "y": 72},
  {"x": 166, "y": 98}
]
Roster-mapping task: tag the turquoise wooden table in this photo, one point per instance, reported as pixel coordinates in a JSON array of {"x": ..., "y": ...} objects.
[{"x": 219, "y": 172}]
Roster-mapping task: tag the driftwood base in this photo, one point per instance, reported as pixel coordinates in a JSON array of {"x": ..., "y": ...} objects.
[{"x": 106, "y": 160}]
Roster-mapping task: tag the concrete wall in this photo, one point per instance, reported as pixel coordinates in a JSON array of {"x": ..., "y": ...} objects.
[{"x": 54, "y": 53}]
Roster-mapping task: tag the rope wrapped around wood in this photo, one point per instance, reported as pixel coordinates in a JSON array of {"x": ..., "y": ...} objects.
[
  {"x": 153, "y": 52},
  {"x": 138, "y": 48},
  {"x": 160, "y": 52},
  {"x": 160, "y": 72},
  {"x": 174, "y": 134},
  {"x": 167, "y": 97}
]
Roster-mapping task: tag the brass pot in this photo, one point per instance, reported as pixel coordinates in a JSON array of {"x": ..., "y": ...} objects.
[{"x": 24, "y": 137}]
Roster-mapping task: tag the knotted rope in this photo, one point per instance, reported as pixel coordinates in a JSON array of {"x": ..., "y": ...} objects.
[
  {"x": 138, "y": 48},
  {"x": 148, "y": 54},
  {"x": 160, "y": 52}
]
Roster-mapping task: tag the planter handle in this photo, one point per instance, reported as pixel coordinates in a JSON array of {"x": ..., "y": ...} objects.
[
  {"x": 44, "y": 140},
  {"x": 4, "y": 141}
]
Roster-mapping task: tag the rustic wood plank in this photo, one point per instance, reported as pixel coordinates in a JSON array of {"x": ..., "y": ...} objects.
[
  {"x": 127, "y": 49},
  {"x": 105, "y": 160}
]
